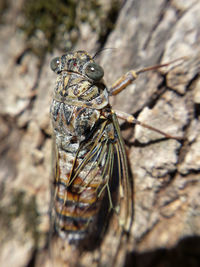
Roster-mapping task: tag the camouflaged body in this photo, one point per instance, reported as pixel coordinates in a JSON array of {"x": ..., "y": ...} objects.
[{"x": 77, "y": 113}]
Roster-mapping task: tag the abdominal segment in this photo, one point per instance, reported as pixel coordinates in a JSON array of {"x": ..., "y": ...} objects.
[{"x": 76, "y": 199}]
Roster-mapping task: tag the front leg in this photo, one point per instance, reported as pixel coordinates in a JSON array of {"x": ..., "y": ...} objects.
[
  {"x": 123, "y": 82},
  {"x": 130, "y": 76}
]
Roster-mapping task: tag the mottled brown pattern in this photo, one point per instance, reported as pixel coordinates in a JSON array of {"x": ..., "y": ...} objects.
[{"x": 87, "y": 139}]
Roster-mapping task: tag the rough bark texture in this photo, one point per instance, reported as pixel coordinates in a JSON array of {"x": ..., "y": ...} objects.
[{"x": 166, "y": 227}]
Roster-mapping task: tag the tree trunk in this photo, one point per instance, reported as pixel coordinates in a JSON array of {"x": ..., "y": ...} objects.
[{"x": 165, "y": 172}]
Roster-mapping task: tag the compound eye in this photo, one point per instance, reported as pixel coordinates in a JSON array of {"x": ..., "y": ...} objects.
[
  {"x": 94, "y": 71},
  {"x": 55, "y": 64}
]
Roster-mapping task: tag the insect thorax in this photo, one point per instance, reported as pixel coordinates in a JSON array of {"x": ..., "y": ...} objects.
[{"x": 75, "y": 89}]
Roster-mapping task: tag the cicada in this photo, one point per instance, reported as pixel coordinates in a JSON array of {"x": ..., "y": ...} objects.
[{"x": 90, "y": 163}]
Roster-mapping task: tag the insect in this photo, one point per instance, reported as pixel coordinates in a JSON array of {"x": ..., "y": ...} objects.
[{"x": 89, "y": 153}]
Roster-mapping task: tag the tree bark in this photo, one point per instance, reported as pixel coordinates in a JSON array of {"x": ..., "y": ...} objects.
[{"x": 165, "y": 172}]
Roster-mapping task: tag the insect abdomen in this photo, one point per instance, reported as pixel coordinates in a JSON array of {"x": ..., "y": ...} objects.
[
  {"x": 77, "y": 204},
  {"x": 76, "y": 198},
  {"x": 75, "y": 210}
]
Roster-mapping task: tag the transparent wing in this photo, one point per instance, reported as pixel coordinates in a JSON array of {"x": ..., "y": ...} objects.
[
  {"x": 99, "y": 167},
  {"x": 114, "y": 172},
  {"x": 125, "y": 183}
]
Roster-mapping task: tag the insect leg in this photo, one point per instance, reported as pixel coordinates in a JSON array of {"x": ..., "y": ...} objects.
[
  {"x": 132, "y": 75},
  {"x": 131, "y": 119}
]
